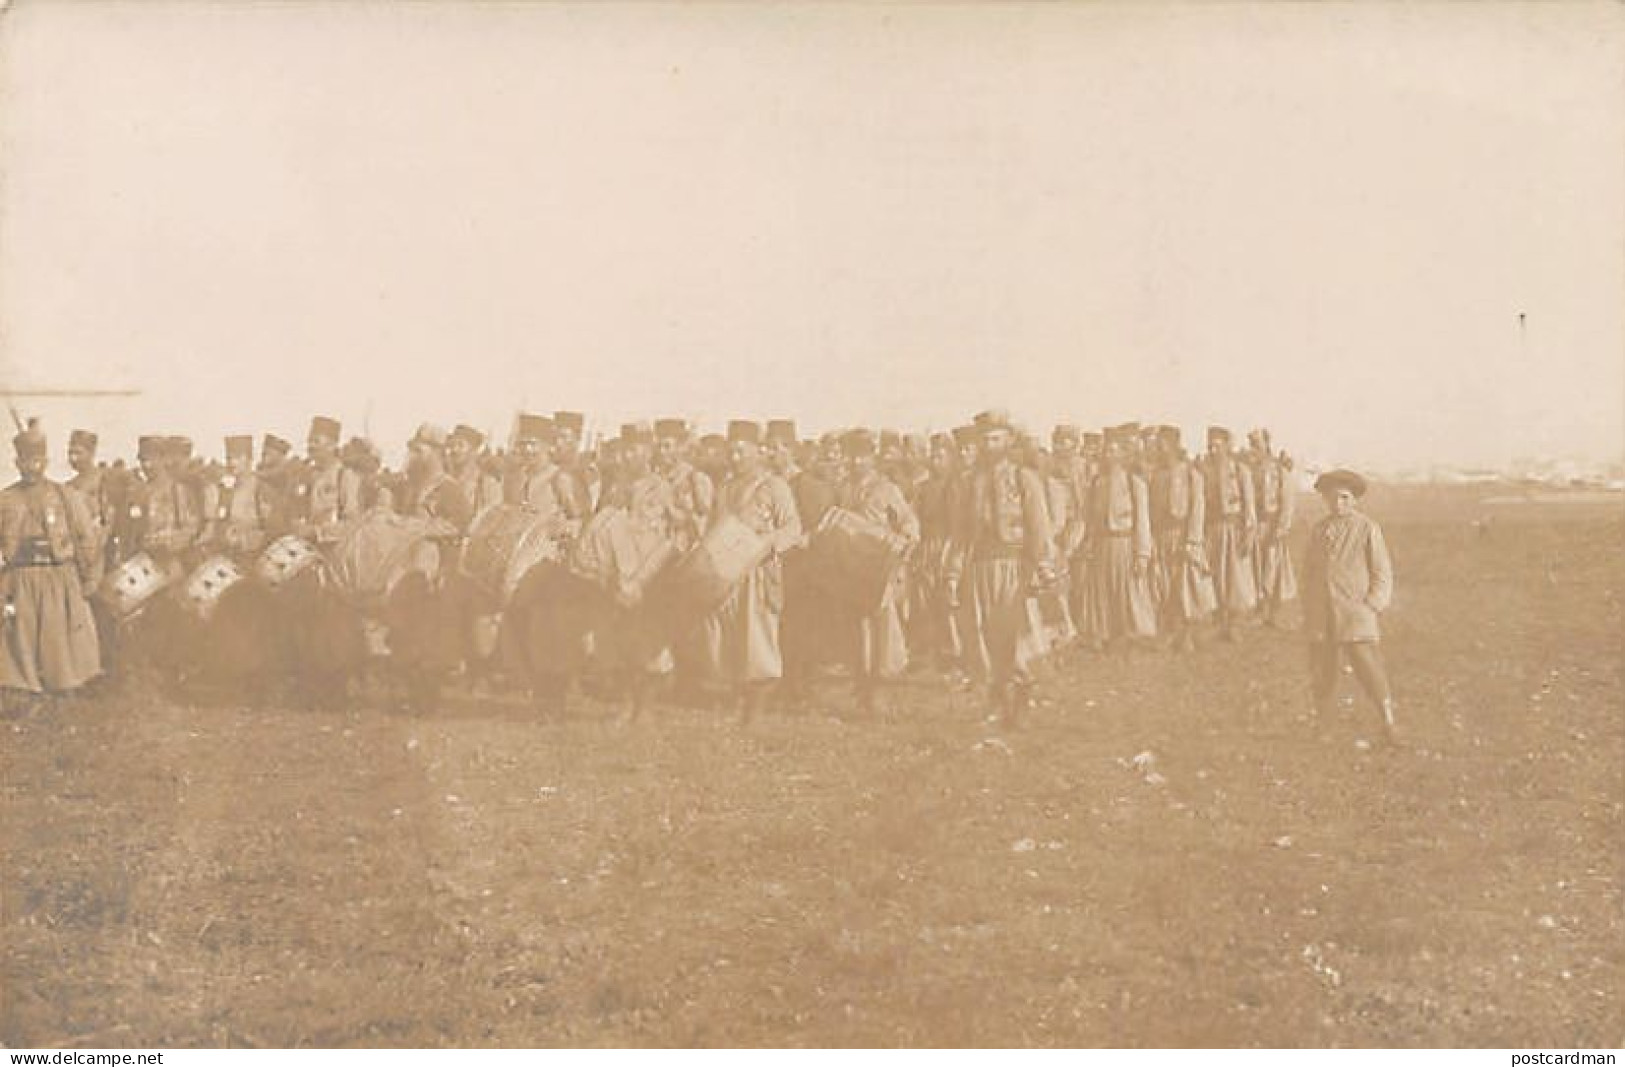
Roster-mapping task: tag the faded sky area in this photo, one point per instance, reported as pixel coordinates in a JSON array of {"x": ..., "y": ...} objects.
[{"x": 1323, "y": 218}]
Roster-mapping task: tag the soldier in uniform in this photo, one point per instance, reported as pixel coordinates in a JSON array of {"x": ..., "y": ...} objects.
[
  {"x": 1178, "y": 528},
  {"x": 622, "y": 548},
  {"x": 711, "y": 456},
  {"x": 480, "y": 488},
  {"x": 692, "y": 499},
  {"x": 879, "y": 649},
  {"x": 1348, "y": 582},
  {"x": 93, "y": 483},
  {"x": 52, "y": 558},
  {"x": 236, "y": 507},
  {"x": 173, "y": 508},
  {"x": 693, "y": 494},
  {"x": 328, "y": 492},
  {"x": 960, "y": 505},
  {"x": 576, "y": 480},
  {"x": 1272, "y": 489},
  {"x": 533, "y": 479},
  {"x": 432, "y": 493},
  {"x": 1232, "y": 531},
  {"x": 781, "y": 446},
  {"x": 804, "y": 627},
  {"x": 742, "y": 636},
  {"x": 1120, "y": 592},
  {"x": 935, "y": 631},
  {"x": 1010, "y": 556},
  {"x": 278, "y": 474},
  {"x": 130, "y": 517},
  {"x": 1071, "y": 469}
]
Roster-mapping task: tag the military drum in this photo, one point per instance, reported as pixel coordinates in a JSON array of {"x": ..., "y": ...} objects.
[
  {"x": 853, "y": 560},
  {"x": 707, "y": 575}
]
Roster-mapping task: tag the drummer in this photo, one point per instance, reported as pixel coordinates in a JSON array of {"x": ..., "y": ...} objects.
[
  {"x": 235, "y": 505},
  {"x": 693, "y": 494},
  {"x": 879, "y": 647},
  {"x": 742, "y": 636}
]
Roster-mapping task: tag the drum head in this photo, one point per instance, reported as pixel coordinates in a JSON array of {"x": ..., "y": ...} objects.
[
  {"x": 286, "y": 559},
  {"x": 209, "y": 582}
]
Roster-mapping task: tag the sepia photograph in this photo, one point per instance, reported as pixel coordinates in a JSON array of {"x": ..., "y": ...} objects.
[{"x": 951, "y": 525}]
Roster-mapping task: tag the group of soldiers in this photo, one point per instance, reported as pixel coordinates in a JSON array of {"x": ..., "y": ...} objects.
[{"x": 1009, "y": 548}]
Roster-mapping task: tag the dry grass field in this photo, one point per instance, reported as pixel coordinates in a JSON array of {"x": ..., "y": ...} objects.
[{"x": 1168, "y": 852}]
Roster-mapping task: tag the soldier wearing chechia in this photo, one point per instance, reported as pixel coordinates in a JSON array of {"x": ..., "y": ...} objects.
[
  {"x": 236, "y": 506},
  {"x": 1232, "y": 531},
  {"x": 779, "y": 450},
  {"x": 1069, "y": 467},
  {"x": 327, "y": 492},
  {"x": 693, "y": 494},
  {"x": 934, "y": 631},
  {"x": 878, "y": 646},
  {"x": 173, "y": 510},
  {"x": 431, "y": 492},
  {"x": 742, "y": 636},
  {"x": 1276, "y": 500},
  {"x": 620, "y": 550},
  {"x": 1120, "y": 591},
  {"x": 93, "y": 483},
  {"x": 1178, "y": 527},
  {"x": 463, "y": 462},
  {"x": 277, "y": 473},
  {"x": 575, "y": 477},
  {"x": 533, "y": 479},
  {"x": 808, "y": 640},
  {"x": 50, "y": 561},
  {"x": 961, "y": 515},
  {"x": 1010, "y": 556}
]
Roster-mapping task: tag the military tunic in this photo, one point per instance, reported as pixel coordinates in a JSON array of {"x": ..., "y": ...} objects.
[
  {"x": 172, "y": 518},
  {"x": 1178, "y": 530},
  {"x": 1010, "y": 549},
  {"x": 1232, "y": 530},
  {"x": 328, "y": 497},
  {"x": 238, "y": 510},
  {"x": 1120, "y": 592},
  {"x": 1276, "y": 502}
]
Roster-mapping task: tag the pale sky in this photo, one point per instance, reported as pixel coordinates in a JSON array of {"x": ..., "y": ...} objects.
[{"x": 1322, "y": 218}]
